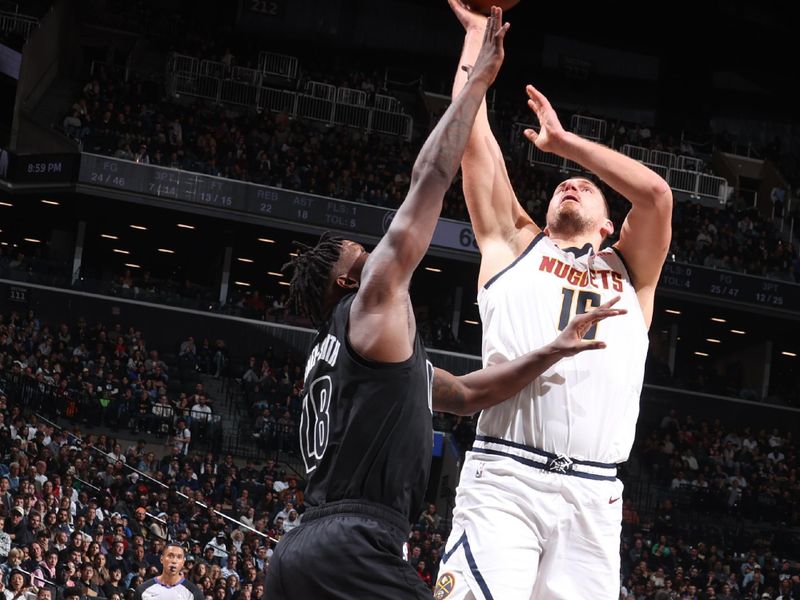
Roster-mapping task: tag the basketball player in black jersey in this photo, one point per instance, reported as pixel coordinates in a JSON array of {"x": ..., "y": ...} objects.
[{"x": 366, "y": 430}]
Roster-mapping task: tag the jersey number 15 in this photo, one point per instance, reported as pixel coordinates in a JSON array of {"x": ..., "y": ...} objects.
[{"x": 585, "y": 301}]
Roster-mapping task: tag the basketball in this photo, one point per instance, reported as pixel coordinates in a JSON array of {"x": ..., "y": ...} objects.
[{"x": 485, "y": 6}]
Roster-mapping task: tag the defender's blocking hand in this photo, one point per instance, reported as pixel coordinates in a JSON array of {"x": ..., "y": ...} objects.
[{"x": 570, "y": 341}]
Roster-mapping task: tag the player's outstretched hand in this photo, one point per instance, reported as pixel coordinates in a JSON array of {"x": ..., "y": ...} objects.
[
  {"x": 551, "y": 133},
  {"x": 570, "y": 341},
  {"x": 470, "y": 20},
  {"x": 491, "y": 55}
]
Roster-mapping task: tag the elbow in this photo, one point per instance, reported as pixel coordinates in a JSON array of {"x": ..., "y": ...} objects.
[
  {"x": 429, "y": 170},
  {"x": 661, "y": 194}
]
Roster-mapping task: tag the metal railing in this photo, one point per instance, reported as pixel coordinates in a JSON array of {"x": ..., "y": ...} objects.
[
  {"x": 317, "y": 89},
  {"x": 387, "y": 103},
  {"x": 635, "y": 152},
  {"x": 589, "y": 127},
  {"x": 17, "y": 23},
  {"x": 689, "y": 163},
  {"x": 278, "y": 65},
  {"x": 183, "y": 64},
  {"x": 321, "y": 105},
  {"x": 667, "y": 160},
  {"x": 58, "y": 402},
  {"x": 666, "y": 164},
  {"x": 350, "y": 96},
  {"x": 322, "y": 102}
]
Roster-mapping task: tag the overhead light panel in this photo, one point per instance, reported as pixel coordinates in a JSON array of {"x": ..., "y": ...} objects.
[
  {"x": 738, "y": 331},
  {"x": 245, "y": 260},
  {"x": 108, "y": 236},
  {"x": 118, "y": 251},
  {"x": 672, "y": 311},
  {"x": 166, "y": 251},
  {"x": 433, "y": 269},
  {"x": 6, "y": 204},
  {"x": 713, "y": 341},
  {"x": 286, "y": 283},
  {"x": 471, "y": 322},
  {"x": 32, "y": 240},
  {"x": 133, "y": 265},
  {"x": 242, "y": 283},
  {"x": 787, "y": 353},
  {"x": 139, "y": 227},
  {"x": 701, "y": 354},
  {"x": 274, "y": 274},
  {"x": 266, "y": 240},
  {"x": 185, "y": 226},
  {"x": 51, "y": 202},
  {"x": 719, "y": 320}
]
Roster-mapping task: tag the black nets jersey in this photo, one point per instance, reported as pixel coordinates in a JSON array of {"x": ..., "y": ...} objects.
[
  {"x": 153, "y": 589},
  {"x": 365, "y": 431}
]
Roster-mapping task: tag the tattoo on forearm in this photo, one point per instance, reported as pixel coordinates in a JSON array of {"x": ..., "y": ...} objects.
[{"x": 448, "y": 395}]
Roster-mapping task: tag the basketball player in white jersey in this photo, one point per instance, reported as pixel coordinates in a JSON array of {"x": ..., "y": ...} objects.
[{"x": 538, "y": 507}]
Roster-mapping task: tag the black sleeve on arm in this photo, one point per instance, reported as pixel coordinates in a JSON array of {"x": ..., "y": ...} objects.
[
  {"x": 196, "y": 592},
  {"x": 137, "y": 595}
]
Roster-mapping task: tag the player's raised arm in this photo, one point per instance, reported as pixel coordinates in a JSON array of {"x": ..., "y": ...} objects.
[
  {"x": 494, "y": 210},
  {"x": 470, "y": 393},
  {"x": 391, "y": 264},
  {"x": 645, "y": 236}
]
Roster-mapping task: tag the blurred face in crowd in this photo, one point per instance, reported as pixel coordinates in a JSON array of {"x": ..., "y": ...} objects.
[{"x": 16, "y": 581}]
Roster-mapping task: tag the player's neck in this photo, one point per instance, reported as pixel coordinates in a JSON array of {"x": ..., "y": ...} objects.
[
  {"x": 168, "y": 581},
  {"x": 575, "y": 241}
]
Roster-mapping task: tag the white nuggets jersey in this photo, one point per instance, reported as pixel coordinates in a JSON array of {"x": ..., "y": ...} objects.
[{"x": 586, "y": 406}]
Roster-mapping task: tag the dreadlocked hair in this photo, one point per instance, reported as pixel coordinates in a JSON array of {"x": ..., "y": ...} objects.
[{"x": 311, "y": 277}]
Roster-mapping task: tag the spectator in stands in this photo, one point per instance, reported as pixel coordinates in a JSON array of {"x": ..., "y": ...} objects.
[{"x": 181, "y": 437}]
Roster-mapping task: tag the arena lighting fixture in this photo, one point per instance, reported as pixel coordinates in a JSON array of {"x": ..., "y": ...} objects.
[
  {"x": 266, "y": 240},
  {"x": 672, "y": 311},
  {"x": 719, "y": 320},
  {"x": 713, "y": 341},
  {"x": 166, "y": 251},
  {"x": 701, "y": 354},
  {"x": 108, "y": 236},
  {"x": 787, "y": 353},
  {"x": 185, "y": 226},
  {"x": 274, "y": 274},
  {"x": 32, "y": 240},
  {"x": 6, "y": 204},
  {"x": 133, "y": 265},
  {"x": 292, "y": 253},
  {"x": 738, "y": 331},
  {"x": 118, "y": 251},
  {"x": 286, "y": 283},
  {"x": 433, "y": 269},
  {"x": 245, "y": 260},
  {"x": 3, "y": 243},
  {"x": 139, "y": 227},
  {"x": 471, "y": 322},
  {"x": 51, "y": 202},
  {"x": 242, "y": 283}
]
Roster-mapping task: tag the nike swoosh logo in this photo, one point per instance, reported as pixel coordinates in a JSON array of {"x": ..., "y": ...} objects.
[{"x": 612, "y": 500}]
